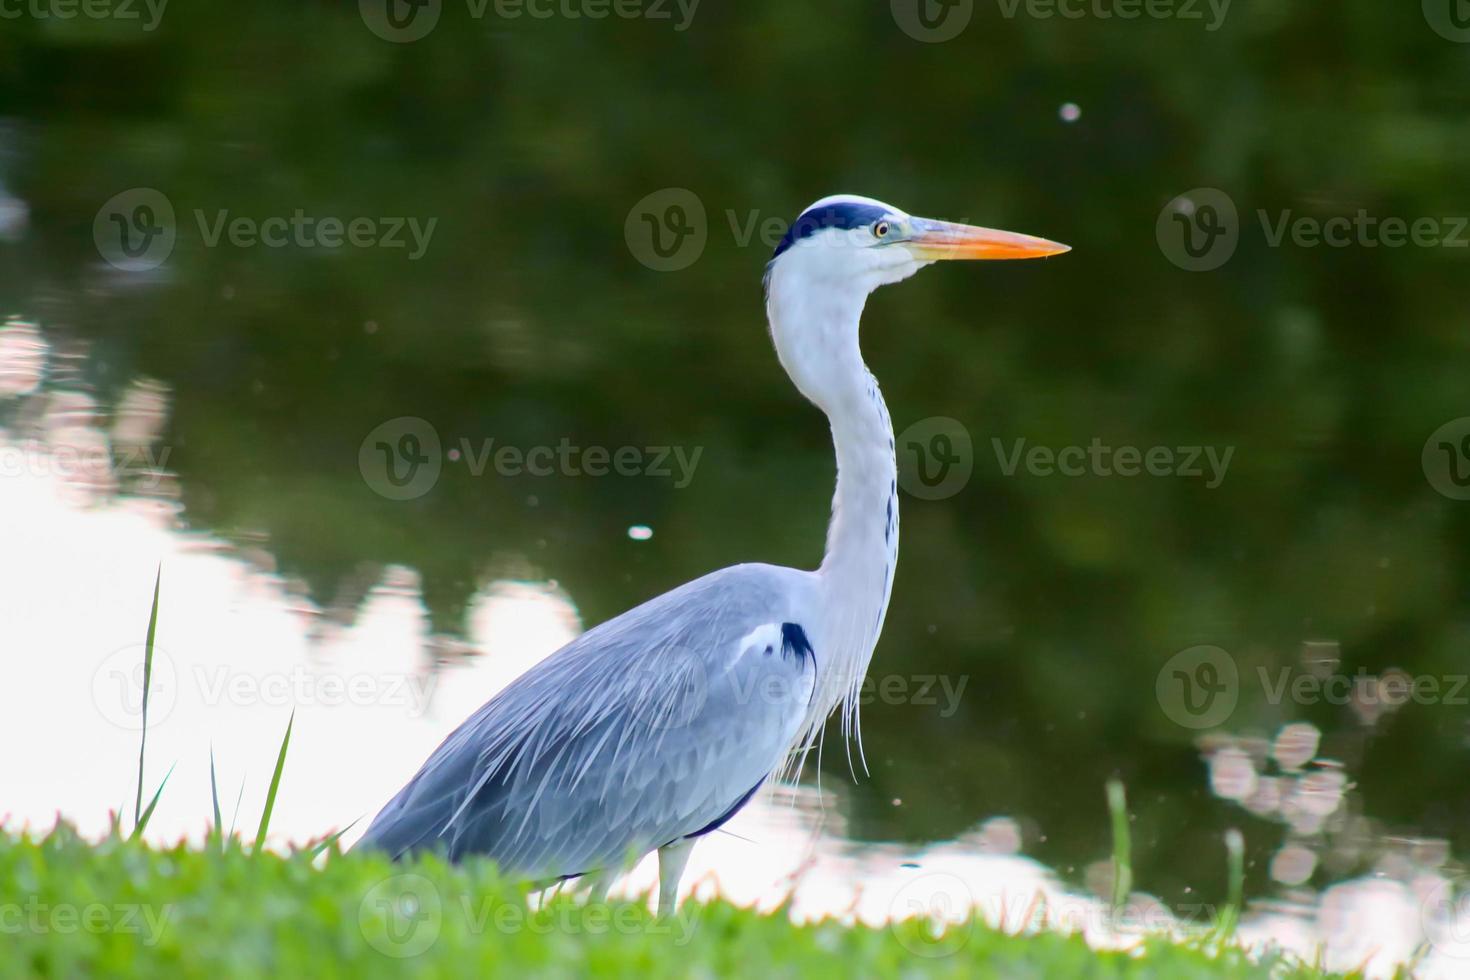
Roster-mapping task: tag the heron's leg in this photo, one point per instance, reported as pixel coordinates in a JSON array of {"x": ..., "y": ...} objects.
[
  {"x": 600, "y": 881},
  {"x": 671, "y": 861}
]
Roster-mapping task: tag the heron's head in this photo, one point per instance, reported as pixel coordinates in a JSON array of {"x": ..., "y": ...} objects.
[
  {"x": 858, "y": 244},
  {"x": 841, "y": 249}
]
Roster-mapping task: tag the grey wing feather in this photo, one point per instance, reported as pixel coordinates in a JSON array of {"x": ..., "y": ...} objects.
[{"x": 649, "y": 728}]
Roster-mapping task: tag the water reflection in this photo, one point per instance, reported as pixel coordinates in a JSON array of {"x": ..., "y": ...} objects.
[
  {"x": 63, "y": 432},
  {"x": 1321, "y": 370},
  {"x": 373, "y": 689},
  {"x": 22, "y": 358}
]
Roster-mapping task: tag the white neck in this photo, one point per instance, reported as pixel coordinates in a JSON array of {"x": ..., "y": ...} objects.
[
  {"x": 862, "y": 544},
  {"x": 816, "y": 331}
]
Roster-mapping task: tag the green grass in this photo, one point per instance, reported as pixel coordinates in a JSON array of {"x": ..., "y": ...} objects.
[{"x": 119, "y": 908}]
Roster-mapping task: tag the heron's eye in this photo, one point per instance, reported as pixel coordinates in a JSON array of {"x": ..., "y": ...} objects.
[{"x": 881, "y": 229}]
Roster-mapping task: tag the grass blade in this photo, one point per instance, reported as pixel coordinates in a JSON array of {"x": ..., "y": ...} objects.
[
  {"x": 141, "y": 823},
  {"x": 1235, "y": 852},
  {"x": 270, "y": 796},
  {"x": 235, "y": 818},
  {"x": 332, "y": 839},
  {"x": 147, "y": 680},
  {"x": 1122, "y": 847},
  {"x": 217, "y": 832}
]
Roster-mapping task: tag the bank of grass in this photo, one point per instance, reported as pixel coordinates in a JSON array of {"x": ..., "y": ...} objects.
[
  {"x": 120, "y": 908},
  {"x": 123, "y": 908}
]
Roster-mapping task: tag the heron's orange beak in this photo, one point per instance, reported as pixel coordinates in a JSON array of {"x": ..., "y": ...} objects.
[{"x": 937, "y": 241}]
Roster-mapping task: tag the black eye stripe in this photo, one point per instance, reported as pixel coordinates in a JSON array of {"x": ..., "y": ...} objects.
[{"x": 846, "y": 216}]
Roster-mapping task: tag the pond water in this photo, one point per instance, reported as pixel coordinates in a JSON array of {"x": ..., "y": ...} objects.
[{"x": 1186, "y": 508}]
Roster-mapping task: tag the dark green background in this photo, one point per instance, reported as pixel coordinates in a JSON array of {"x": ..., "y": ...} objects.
[{"x": 530, "y": 320}]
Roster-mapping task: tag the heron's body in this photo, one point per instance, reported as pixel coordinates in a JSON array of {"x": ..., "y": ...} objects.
[
  {"x": 641, "y": 732},
  {"x": 655, "y": 727}
]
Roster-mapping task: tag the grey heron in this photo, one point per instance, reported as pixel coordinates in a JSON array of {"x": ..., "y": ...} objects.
[{"x": 655, "y": 727}]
